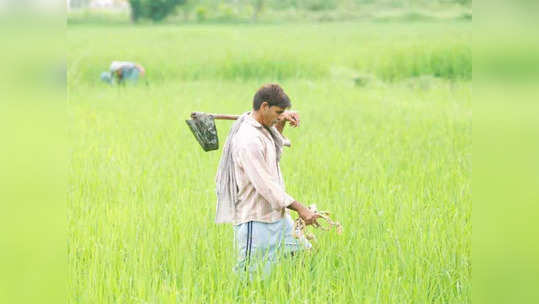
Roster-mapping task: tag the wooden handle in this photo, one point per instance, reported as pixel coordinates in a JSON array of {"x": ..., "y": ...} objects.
[
  {"x": 217, "y": 116},
  {"x": 225, "y": 116}
]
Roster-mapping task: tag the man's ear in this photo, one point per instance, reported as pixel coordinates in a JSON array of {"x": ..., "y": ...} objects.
[{"x": 264, "y": 106}]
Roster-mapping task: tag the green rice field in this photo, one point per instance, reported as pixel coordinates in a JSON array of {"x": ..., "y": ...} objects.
[{"x": 385, "y": 144}]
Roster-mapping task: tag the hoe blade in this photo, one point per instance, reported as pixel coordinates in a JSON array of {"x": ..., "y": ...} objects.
[{"x": 203, "y": 127}]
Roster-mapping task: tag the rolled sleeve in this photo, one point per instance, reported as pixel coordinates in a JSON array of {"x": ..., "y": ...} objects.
[
  {"x": 284, "y": 139},
  {"x": 251, "y": 158}
]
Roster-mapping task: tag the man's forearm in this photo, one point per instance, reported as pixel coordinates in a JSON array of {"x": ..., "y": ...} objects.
[
  {"x": 297, "y": 206},
  {"x": 280, "y": 125},
  {"x": 305, "y": 213}
]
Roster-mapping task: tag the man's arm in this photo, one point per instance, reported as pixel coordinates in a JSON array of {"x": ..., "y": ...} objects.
[
  {"x": 251, "y": 157},
  {"x": 305, "y": 213},
  {"x": 291, "y": 116}
]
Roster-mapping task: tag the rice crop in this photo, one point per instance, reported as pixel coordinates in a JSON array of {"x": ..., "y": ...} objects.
[{"x": 391, "y": 160}]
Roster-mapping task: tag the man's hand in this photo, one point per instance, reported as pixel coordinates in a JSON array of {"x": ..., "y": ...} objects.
[
  {"x": 305, "y": 213},
  {"x": 291, "y": 116},
  {"x": 309, "y": 217}
]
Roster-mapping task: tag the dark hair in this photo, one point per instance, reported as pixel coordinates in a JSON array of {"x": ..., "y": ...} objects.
[{"x": 273, "y": 94}]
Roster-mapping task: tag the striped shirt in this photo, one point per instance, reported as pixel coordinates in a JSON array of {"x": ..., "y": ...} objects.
[{"x": 261, "y": 191}]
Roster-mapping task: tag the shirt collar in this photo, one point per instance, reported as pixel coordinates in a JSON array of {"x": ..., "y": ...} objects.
[
  {"x": 253, "y": 121},
  {"x": 266, "y": 131}
]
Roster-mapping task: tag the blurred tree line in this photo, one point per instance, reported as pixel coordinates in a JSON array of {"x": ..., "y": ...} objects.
[{"x": 158, "y": 10}]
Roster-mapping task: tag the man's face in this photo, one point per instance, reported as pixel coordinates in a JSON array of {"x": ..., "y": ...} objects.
[{"x": 270, "y": 114}]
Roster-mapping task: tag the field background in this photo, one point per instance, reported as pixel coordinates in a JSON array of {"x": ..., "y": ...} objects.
[{"x": 385, "y": 144}]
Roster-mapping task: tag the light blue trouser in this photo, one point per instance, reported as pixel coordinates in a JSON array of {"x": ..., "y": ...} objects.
[{"x": 261, "y": 244}]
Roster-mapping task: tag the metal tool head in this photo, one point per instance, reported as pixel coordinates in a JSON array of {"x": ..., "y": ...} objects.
[{"x": 203, "y": 127}]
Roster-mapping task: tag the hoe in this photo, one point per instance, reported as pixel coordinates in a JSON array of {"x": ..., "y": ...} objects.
[{"x": 203, "y": 127}]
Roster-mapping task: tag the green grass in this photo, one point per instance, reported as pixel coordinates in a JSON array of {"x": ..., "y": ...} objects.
[
  {"x": 308, "y": 51},
  {"x": 391, "y": 160},
  {"x": 453, "y": 61}
]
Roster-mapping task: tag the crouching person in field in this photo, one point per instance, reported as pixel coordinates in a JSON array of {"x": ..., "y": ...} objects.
[
  {"x": 250, "y": 189},
  {"x": 122, "y": 72}
]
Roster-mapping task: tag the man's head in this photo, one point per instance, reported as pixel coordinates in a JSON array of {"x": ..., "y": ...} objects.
[
  {"x": 141, "y": 69},
  {"x": 269, "y": 102}
]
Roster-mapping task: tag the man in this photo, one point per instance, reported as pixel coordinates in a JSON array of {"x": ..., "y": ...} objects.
[
  {"x": 122, "y": 72},
  {"x": 250, "y": 187}
]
